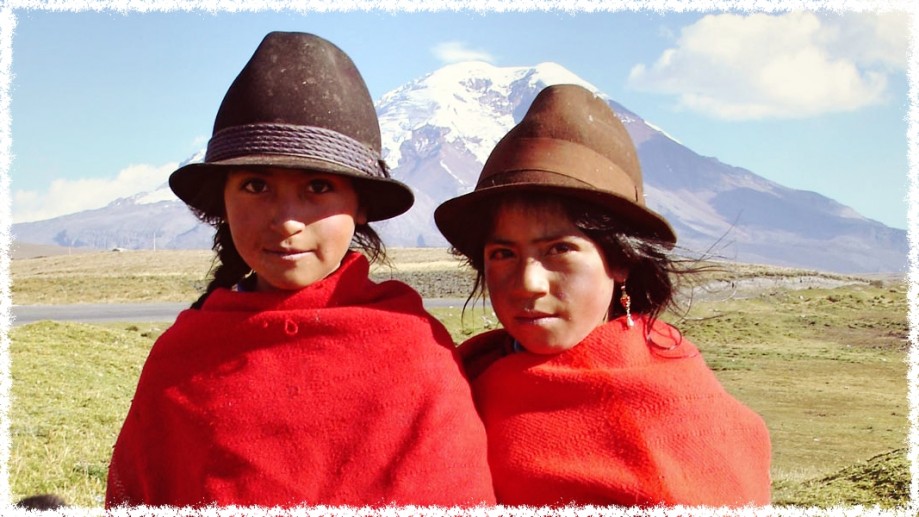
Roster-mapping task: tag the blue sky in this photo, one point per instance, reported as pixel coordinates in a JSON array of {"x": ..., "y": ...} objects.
[{"x": 106, "y": 102}]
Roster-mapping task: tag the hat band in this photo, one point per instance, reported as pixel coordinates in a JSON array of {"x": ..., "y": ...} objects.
[
  {"x": 294, "y": 140},
  {"x": 562, "y": 157}
]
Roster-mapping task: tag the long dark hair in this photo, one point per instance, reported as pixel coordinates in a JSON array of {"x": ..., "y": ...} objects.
[
  {"x": 229, "y": 269},
  {"x": 654, "y": 271}
]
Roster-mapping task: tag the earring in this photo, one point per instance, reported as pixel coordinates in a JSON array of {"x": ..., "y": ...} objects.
[{"x": 626, "y": 302}]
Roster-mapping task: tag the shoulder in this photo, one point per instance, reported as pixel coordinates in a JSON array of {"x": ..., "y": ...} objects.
[
  {"x": 647, "y": 340},
  {"x": 479, "y": 352},
  {"x": 666, "y": 341}
]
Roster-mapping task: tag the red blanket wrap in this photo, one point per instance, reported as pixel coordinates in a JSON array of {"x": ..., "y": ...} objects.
[
  {"x": 343, "y": 393},
  {"x": 616, "y": 421}
]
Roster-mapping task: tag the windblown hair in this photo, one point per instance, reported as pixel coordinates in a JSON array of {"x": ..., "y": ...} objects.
[
  {"x": 229, "y": 269},
  {"x": 654, "y": 272}
]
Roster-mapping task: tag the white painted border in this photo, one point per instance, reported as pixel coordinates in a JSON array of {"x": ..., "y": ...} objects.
[{"x": 8, "y": 24}]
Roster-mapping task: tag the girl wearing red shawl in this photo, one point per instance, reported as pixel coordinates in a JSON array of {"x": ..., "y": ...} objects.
[
  {"x": 586, "y": 396},
  {"x": 295, "y": 379}
]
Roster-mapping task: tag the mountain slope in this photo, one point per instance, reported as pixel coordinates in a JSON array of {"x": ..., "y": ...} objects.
[{"x": 437, "y": 133}]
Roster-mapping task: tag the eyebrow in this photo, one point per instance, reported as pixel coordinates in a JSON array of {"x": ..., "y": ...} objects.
[
  {"x": 507, "y": 242},
  {"x": 250, "y": 172}
]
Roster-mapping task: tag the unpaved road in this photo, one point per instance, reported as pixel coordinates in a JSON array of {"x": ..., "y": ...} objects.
[
  {"x": 109, "y": 313},
  {"x": 167, "y": 312}
]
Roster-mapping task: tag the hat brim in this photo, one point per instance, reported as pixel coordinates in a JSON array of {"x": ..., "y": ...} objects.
[
  {"x": 197, "y": 183},
  {"x": 453, "y": 216}
]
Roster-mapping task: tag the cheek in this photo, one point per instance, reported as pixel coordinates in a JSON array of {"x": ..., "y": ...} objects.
[
  {"x": 603, "y": 296},
  {"x": 592, "y": 291},
  {"x": 495, "y": 281},
  {"x": 237, "y": 214},
  {"x": 337, "y": 228},
  {"x": 243, "y": 224}
]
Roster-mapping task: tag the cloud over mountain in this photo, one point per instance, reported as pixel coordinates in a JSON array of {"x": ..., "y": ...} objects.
[
  {"x": 458, "y": 51},
  {"x": 66, "y": 196},
  {"x": 758, "y": 66}
]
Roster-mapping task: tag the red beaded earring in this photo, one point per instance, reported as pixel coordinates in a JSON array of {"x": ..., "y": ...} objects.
[{"x": 626, "y": 302}]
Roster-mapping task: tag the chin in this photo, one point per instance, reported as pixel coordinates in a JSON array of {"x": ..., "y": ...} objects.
[{"x": 548, "y": 348}]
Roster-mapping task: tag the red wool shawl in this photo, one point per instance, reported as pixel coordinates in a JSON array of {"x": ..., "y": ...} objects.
[
  {"x": 615, "y": 421},
  {"x": 343, "y": 393}
]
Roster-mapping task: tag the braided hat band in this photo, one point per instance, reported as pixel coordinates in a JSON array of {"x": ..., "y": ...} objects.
[
  {"x": 295, "y": 140},
  {"x": 299, "y": 104}
]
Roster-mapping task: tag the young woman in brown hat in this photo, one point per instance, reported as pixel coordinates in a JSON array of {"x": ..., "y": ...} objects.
[
  {"x": 586, "y": 396},
  {"x": 295, "y": 379}
]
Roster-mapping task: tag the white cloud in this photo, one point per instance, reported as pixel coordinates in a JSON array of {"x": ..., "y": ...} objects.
[
  {"x": 200, "y": 141},
  {"x": 793, "y": 65},
  {"x": 66, "y": 196},
  {"x": 457, "y": 51}
]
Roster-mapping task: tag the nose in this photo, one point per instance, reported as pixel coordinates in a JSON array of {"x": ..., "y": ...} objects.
[
  {"x": 289, "y": 215},
  {"x": 532, "y": 278}
]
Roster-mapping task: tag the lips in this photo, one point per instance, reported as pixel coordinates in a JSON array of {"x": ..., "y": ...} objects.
[
  {"x": 533, "y": 317},
  {"x": 287, "y": 253}
]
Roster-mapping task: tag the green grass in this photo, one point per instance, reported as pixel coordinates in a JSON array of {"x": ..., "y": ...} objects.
[
  {"x": 881, "y": 480},
  {"x": 824, "y": 367},
  {"x": 827, "y": 371},
  {"x": 72, "y": 385},
  {"x": 463, "y": 325}
]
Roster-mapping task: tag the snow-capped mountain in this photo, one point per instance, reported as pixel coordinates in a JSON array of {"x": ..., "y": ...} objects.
[
  {"x": 473, "y": 104},
  {"x": 439, "y": 129}
]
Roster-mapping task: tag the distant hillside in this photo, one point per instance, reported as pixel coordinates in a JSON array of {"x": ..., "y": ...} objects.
[
  {"x": 438, "y": 131},
  {"x": 26, "y": 250}
]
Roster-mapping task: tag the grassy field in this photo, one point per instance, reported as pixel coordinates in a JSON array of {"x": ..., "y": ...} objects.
[
  {"x": 178, "y": 276},
  {"x": 825, "y": 367}
]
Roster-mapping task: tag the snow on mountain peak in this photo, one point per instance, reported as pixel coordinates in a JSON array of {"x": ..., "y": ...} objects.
[
  {"x": 198, "y": 157},
  {"x": 469, "y": 100},
  {"x": 163, "y": 193},
  {"x": 553, "y": 73}
]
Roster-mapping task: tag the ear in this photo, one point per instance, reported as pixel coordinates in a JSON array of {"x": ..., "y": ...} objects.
[
  {"x": 619, "y": 275},
  {"x": 361, "y": 216}
]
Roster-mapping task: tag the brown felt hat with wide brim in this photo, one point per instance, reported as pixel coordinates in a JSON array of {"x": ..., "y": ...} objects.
[
  {"x": 569, "y": 143},
  {"x": 299, "y": 103}
]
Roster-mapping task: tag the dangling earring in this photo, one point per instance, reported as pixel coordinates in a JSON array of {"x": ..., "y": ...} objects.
[{"x": 626, "y": 302}]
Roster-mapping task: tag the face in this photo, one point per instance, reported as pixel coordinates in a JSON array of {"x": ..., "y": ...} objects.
[
  {"x": 549, "y": 283},
  {"x": 292, "y": 228}
]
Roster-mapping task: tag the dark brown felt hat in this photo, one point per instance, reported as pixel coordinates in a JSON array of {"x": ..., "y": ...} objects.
[
  {"x": 299, "y": 103},
  {"x": 569, "y": 143}
]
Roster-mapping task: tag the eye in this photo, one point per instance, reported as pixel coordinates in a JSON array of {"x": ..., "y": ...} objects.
[
  {"x": 498, "y": 253},
  {"x": 319, "y": 186},
  {"x": 255, "y": 185},
  {"x": 559, "y": 248}
]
